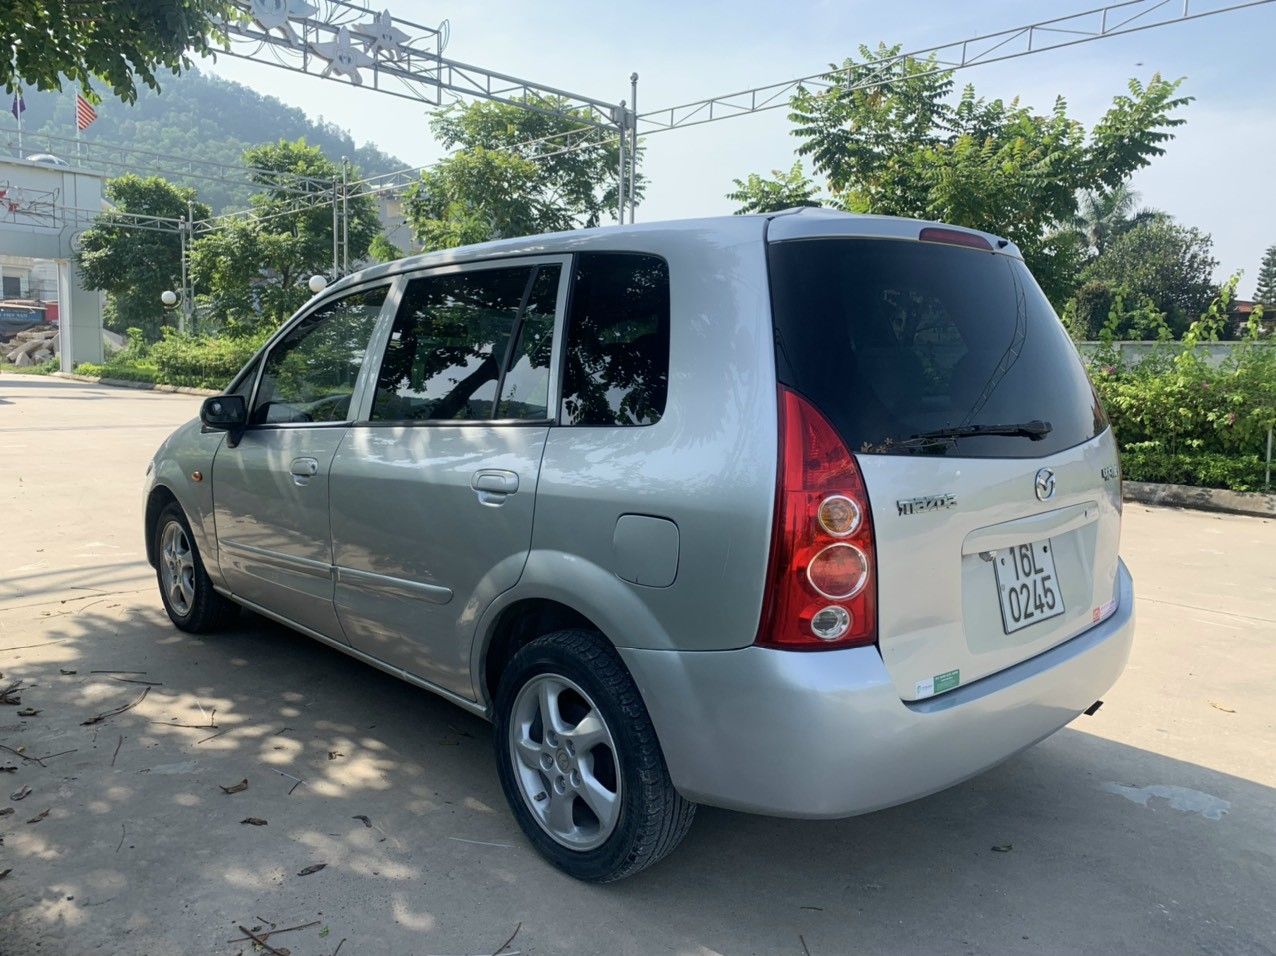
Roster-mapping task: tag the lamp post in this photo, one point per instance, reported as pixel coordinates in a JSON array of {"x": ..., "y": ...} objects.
[{"x": 170, "y": 299}]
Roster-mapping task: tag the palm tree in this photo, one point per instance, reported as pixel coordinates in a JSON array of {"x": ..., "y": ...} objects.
[{"x": 1102, "y": 216}]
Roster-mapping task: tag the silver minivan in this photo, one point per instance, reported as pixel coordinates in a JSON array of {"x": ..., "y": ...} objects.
[{"x": 804, "y": 514}]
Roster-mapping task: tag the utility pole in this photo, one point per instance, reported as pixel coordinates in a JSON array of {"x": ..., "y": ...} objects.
[
  {"x": 621, "y": 122},
  {"x": 633, "y": 143},
  {"x": 335, "y": 232},
  {"x": 188, "y": 273},
  {"x": 181, "y": 320},
  {"x": 345, "y": 219}
]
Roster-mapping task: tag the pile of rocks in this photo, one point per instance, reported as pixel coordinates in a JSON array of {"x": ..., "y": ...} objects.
[{"x": 32, "y": 347}]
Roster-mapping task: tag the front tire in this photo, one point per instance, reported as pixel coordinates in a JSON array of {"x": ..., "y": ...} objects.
[
  {"x": 580, "y": 763},
  {"x": 185, "y": 588}
]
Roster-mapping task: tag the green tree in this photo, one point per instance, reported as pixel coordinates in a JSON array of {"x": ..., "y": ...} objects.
[
  {"x": 134, "y": 265},
  {"x": 1162, "y": 262},
  {"x": 252, "y": 270},
  {"x": 1266, "y": 291},
  {"x": 784, "y": 190},
  {"x": 119, "y": 43},
  {"x": 902, "y": 147},
  {"x": 1104, "y": 214},
  {"x": 496, "y": 185},
  {"x": 382, "y": 249}
]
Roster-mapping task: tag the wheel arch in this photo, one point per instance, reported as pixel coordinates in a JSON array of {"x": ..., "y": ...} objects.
[
  {"x": 558, "y": 590},
  {"x": 517, "y": 625},
  {"x": 159, "y": 498}
]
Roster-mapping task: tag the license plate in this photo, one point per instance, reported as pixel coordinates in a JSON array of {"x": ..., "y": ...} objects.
[{"x": 1026, "y": 585}]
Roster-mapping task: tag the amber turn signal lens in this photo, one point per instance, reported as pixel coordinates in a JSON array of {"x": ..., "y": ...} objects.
[{"x": 839, "y": 515}]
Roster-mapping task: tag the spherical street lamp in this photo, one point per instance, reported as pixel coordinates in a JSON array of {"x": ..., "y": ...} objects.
[
  {"x": 168, "y": 297},
  {"x": 317, "y": 284}
]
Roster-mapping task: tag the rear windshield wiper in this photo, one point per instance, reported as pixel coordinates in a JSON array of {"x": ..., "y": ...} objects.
[{"x": 1035, "y": 429}]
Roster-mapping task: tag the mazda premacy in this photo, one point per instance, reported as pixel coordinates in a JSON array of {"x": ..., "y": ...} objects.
[{"x": 804, "y": 514}]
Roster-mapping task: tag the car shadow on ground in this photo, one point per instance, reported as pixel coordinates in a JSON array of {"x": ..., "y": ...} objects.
[{"x": 394, "y": 791}]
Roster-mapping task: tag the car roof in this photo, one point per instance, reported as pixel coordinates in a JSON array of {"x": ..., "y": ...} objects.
[{"x": 798, "y": 223}]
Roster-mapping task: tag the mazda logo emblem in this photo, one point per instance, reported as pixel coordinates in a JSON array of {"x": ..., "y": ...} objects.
[{"x": 1044, "y": 484}]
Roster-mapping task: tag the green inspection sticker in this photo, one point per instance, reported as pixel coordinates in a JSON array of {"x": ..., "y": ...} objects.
[{"x": 947, "y": 681}]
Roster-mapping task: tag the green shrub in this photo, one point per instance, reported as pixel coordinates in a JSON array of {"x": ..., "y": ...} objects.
[
  {"x": 1145, "y": 461},
  {"x": 189, "y": 360},
  {"x": 1178, "y": 419},
  {"x": 203, "y": 362}
]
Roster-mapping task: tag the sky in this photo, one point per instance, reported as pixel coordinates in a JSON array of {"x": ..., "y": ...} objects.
[{"x": 1216, "y": 174}]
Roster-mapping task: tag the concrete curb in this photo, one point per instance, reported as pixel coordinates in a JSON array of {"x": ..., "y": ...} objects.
[
  {"x": 1204, "y": 499},
  {"x": 124, "y": 383}
]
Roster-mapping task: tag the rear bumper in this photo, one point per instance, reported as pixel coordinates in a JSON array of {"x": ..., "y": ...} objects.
[{"x": 826, "y": 734}]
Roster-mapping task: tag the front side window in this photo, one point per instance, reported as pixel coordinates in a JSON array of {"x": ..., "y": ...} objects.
[
  {"x": 470, "y": 346},
  {"x": 310, "y": 374},
  {"x": 617, "y": 370}
]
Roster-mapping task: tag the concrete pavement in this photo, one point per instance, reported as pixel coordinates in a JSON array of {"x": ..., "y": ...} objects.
[{"x": 1149, "y": 828}]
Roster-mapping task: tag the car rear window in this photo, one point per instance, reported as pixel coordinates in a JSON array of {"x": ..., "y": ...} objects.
[{"x": 896, "y": 339}]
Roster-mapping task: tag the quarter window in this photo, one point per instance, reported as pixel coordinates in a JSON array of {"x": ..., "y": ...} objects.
[
  {"x": 463, "y": 339},
  {"x": 617, "y": 370},
  {"x": 310, "y": 374}
]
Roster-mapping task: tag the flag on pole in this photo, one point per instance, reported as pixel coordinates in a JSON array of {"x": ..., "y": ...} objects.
[
  {"x": 18, "y": 106},
  {"x": 85, "y": 114}
]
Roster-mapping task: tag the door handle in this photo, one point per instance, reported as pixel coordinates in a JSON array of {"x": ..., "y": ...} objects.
[
  {"x": 494, "y": 485},
  {"x": 302, "y": 470}
]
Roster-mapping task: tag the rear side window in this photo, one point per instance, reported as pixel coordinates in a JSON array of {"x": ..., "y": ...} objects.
[
  {"x": 464, "y": 339},
  {"x": 896, "y": 340},
  {"x": 310, "y": 374},
  {"x": 617, "y": 360}
]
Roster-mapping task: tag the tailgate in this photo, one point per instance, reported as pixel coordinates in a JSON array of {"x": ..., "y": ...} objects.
[{"x": 955, "y": 536}]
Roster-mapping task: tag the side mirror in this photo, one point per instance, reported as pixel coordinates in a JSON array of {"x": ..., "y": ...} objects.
[
  {"x": 224, "y": 412},
  {"x": 228, "y": 413}
]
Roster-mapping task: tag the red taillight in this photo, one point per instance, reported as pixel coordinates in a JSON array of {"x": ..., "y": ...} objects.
[{"x": 821, "y": 583}]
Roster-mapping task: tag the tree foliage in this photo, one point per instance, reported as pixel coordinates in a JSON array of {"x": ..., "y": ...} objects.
[
  {"x": 1102, "y": 215},
  {"x": 786, "y": 189},
  {"x": 902, "y": 147},
  {"x": 1159, "y": 262},
  {"x": 252, "y": 270},
  {"x": 1266, "y": 290},
  {"x": 136, "y": 265},
  {"x": 118, "y": 43},
  {"x": 495, "y": 185}
]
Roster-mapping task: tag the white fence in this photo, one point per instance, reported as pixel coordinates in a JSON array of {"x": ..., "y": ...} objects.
[{"x": 1132, "y": 353}]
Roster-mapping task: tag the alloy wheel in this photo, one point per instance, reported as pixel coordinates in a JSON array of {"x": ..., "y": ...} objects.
[{"x": 565, "y": 762}]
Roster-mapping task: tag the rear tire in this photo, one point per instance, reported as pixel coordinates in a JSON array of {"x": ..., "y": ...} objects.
[
  {"x": 605, "y": 809},
  {"x": 185, "y": 588}
]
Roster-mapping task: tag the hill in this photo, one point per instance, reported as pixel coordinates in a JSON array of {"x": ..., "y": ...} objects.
[{"x": 198, "y": 116}]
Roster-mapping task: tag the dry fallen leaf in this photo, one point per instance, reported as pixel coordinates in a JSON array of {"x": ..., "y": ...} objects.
[
  {"x": 334, "y": 754},
  {"x": 4, "y": 873},
  {"x": 64, "y": 672},
  {"x": 21, "y": 793},
  {"x": 366, "y": 822},
  {"x": 1226, "y": 710},
  {"x": 6, "y": 811},
  {"x": 28, "y": 712},
  {"x": 39, "y": 816},
  {"x": 313, "y": 868},
  {"x": 9, "y": 768},
  {"x": 254, "y": 821},
  {"x": 1003, "y": 848},
  {"x": 236, "y": 788}
]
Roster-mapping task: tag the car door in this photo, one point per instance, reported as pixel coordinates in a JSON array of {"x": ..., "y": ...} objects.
[
  {"x": 434, "y": 488},
  {"x": 270, "y": 490}
]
